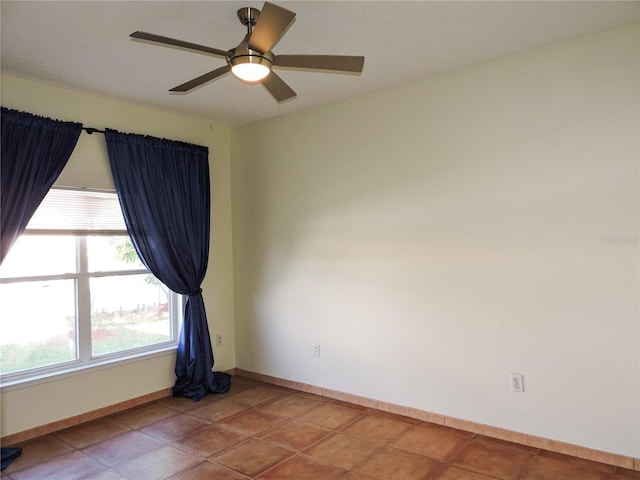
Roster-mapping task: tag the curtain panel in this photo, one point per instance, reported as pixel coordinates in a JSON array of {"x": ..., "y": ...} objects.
[
  {"x": 34, "y": 152},
  {"x": 163, "y": 188}
]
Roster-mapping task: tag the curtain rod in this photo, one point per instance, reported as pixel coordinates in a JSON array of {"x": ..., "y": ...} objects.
[{"x": 91, "y": 130}]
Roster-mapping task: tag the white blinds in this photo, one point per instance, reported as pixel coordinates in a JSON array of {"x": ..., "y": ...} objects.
[{"x": 78, "y": 212}]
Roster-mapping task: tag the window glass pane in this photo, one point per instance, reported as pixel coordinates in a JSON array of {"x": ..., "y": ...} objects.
[
  {"x": 108, "y": 254},
  {"x": 128, "y": 311},
  {"x": 39, "y": 255},
  {"x": 38, "y": 324}
]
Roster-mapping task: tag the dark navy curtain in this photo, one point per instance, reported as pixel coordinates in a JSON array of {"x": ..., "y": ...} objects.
[
  {"x": 163, "y": 188},
  {"x": 34, "y": 152}
]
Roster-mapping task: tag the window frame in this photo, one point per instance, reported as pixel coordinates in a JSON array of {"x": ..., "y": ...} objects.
[{"x": 85, "y": 359}]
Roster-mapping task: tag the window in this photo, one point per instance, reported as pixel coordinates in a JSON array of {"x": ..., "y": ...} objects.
[{"x": 74, "y": 293}]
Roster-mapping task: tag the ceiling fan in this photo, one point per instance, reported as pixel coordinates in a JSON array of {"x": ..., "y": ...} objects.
[{"x": 252, "y": 60}]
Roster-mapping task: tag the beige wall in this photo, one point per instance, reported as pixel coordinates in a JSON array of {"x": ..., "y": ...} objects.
[
  {"x": 434, "y": 237},
  {"x": 45, "y": 402}
]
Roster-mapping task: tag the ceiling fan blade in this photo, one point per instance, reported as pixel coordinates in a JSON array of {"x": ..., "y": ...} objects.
[
  {"x": 276, "y": 86},
  {"x": 179, "y": 43},
  {"x": 340, "y": 63},
  {"x": 196, "y": 82},
  {"x": 272, "y": 23}
]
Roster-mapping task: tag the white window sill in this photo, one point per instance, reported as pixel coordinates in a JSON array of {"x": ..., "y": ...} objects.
[{"x": 82, "y": 369}]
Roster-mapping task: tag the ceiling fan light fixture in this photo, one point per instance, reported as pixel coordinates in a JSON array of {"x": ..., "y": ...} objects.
[{"x": 250, "y": 68}]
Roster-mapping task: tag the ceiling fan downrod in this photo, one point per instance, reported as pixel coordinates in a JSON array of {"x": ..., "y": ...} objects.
[{"x": 248, "y": 16}]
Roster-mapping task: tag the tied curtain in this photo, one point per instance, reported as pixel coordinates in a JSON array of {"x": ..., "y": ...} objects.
[
  {"x": 34, "y": 152},
  {"x": 163, "y": 188}
]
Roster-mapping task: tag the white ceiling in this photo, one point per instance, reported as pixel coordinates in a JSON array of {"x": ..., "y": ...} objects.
[{"x": 86, "y": 45}]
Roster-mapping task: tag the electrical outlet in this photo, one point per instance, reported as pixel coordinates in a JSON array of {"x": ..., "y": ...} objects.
[
  {"x": 218, "y": 339},
  {"x": 316, "y": 350},
  {"x": 517, "y": 382}
]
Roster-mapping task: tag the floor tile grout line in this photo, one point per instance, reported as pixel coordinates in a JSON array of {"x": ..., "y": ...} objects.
[
  {"x": 437, "y": 472},
  {"x": 526, "y": 467},
  {"x": 457, "y": 452},
  {"x": 299, "y": 450},
  {"x": 295, "y": 454}
]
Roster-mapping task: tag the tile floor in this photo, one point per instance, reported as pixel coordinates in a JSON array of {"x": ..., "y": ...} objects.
[{"x": 260, "y": 431}]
